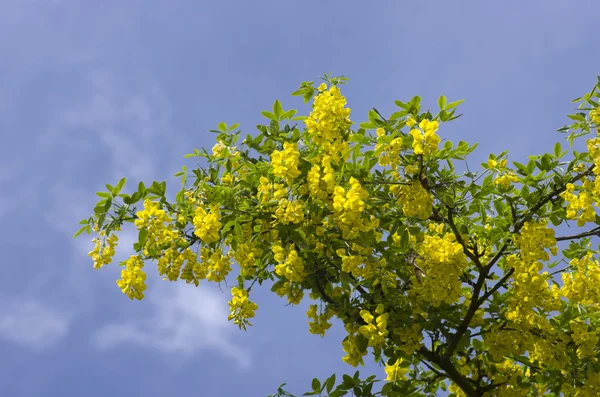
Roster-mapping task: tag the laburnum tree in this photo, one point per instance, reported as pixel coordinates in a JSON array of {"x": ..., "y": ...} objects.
[{"x": 456, "y": 282}]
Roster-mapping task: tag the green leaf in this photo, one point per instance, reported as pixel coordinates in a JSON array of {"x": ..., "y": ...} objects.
[
  {"x": 557, "y": 149},
  {"x": 222, "y": 127},
  {"x": 237, "y": 230},
  {"x": 142, "y": 236},
  {"x": 329, "y": 383},
  {"x": 316, "y": 385},
  {"x": 119, "y": 186},
  {"x": 454, "y": 104},
  {"x": 87, "y": 228},
  {"x": 268, "y": 115},
  {"x": 442, "y": 102},
  {"x": 105, "y": 195},
  {"x": 277, "y": 110}
]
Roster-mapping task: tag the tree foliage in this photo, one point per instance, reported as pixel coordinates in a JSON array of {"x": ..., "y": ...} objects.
[{"x": 448, "y": 278}]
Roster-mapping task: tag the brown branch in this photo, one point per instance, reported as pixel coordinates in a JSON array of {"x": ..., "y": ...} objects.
[
  {"x": 473, "y": 306},
  {"x": 460, "y": 240},
  {"x": 445, "y": 364},
  {"x": 497, "y": 286},
  {"x": 594, "y": 232}
]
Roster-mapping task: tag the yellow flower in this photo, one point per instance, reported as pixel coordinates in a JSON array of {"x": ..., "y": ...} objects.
[
  {"x": 506, "y": 179},
  {"x": 207, "y": 225},
  {"x": 285, "y": 163},
  {"x": 395, "y": 372},
  {"x": 319, "y": 324},
  {"x": 241, "y": 309},
  {"x": 133, "y": 278},
  {"x": 227, "y": 179},
  {"x": 328, "y": 121},
  {"x": 425, "y": 139},
  {"x": 104, "y": 249}
]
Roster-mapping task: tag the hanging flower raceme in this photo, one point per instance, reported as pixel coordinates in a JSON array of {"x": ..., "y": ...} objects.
[
  {"x": 207, "y": 224},
  {"x": 328, "y": 120},
  {"x": 376, "y": 328},
  {"x": 416, "y": 201},
  {"x": 291, "y": 265},
  {"x": 241, "y": 308},
  {"x": 443, "y": 261},
  {"x": 133, "y": 278},
  {"x": 580, "y": 206},
  {"x": 104, "y": 249},
  {"x": 425, "y": 139},
  {"x": 285, "y": 163},
  {"x": 319, "y": 324}
]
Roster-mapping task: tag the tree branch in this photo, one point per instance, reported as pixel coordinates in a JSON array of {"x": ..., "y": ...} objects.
[
  {"x": 594, "y": 232},
  {"x": 497, "y": 286},
  {"x": 445, "y": 364}
]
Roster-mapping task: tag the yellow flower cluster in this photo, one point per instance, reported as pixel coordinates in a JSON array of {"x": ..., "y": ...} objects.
[
  {"x": 354, "y": 353},
  {"x": 207, "y": 225},
  {"x": 506, "y": 179},
  {"x": 583, "y": 284},
  {"x": 293, "y": 291},
  {"x": 585, "y": 339},
  {"x": 133, "y": 278},
  {"x": 550, "y": 350},
  {"x": 289, "y": 212},
  {"x": 590, "y": 387},
  {"x": 410, "y": 338},
  {"x": 219, "y": 148},
  {"x": 593, "y": 146},
  {"x": 507, "y": 375},
  {"x": 534, "y": 239},
  {"x": 494, "y": 164},
  {"x": 443, "y": 261},
  {"x": 595, "y": 116},
  {"x": 241, "y": 308},
  {"x": 425, "y": 139},
  {"x": 246, "y": 256},
  {"x": 285, "y": 163},
  {"x": 321, "y": 182},
  {"x": 347, "y": 210},
  {"x": 104, "y": 249},
  {"x": 376, "y": 332},
  {"x": 328, "y": 120},
  {"x": 171, "y": 261},
  {"x": 290, "y": 264},
  {"x": 319, "y": 324},
  {"x": 390, "y": 154},
  {"x": 530, "y": 287},
  {"x": 268, "y": 190},
  {"x": 159, "y": 226},
  {"x": 217, "y": 264},
  {"x": 353, "y": 263},
  {"x": 151, "y": 216},
  {"x": 415, "y": 199},
  {"x": 580, "y": 206},
  {"x": 396, "y": 371},
  {"x": 501, "y": 342}
]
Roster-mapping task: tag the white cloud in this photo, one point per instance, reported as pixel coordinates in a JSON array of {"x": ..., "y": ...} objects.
[
  {"x": 185, "y": 321},
  {"x": 32, "y": 323}
]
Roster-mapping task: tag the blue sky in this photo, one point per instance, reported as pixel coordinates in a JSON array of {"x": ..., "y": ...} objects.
[{"x": 93, "y": 91}]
